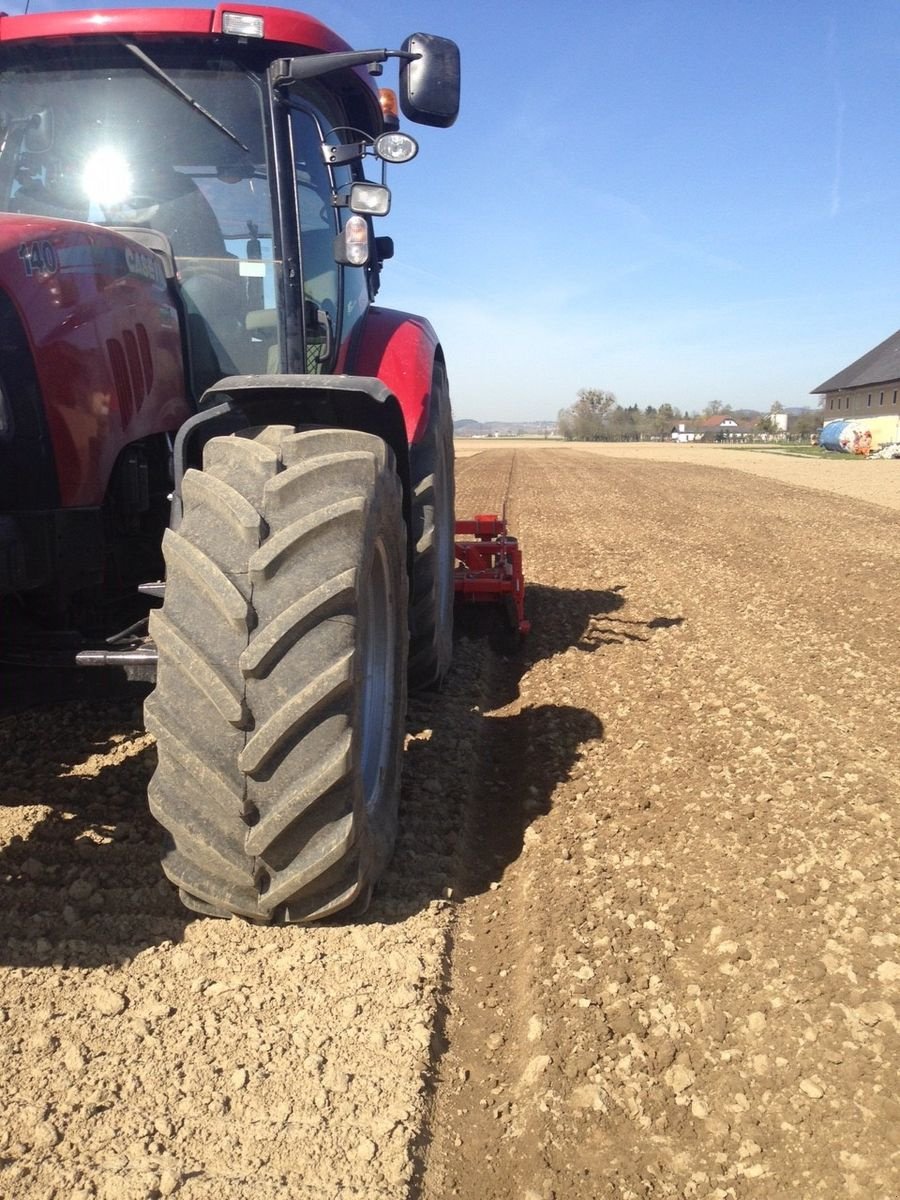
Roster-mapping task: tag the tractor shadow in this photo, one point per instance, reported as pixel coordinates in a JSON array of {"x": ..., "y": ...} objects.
[
  {"x": 80, "y": 881},
  {"x": 475, "y": 776}
]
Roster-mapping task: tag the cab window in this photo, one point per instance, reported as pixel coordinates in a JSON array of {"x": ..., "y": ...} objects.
[{"x": 318, "y": 229}]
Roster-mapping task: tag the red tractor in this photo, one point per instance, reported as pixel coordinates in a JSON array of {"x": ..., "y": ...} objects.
[{"x": 200, "y": 404}]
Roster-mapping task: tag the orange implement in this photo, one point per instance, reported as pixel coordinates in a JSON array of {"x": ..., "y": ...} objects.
[{"x": 489, "y": 567}]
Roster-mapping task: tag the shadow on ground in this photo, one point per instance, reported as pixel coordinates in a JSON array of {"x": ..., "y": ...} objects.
[
  {"x": 80, "y": 882},
  {"x": 476, "y": 776},
  {"x": 81, "y": 885}
]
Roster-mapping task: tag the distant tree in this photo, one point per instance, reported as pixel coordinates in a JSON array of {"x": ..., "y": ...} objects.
[
  {"x": 565, "y": 424},
  {"x": 664, "y": 421},
  {"x": 766, "y": 425},
  {"x": 596, "y": 401},
  {"x": 647, "y": 422},
  {"x": 585, "y": 420},
  {"x": 777, "y": 407},
  {"x": 716, "y": 408},
  {"x": 806, "y": 423},
  {"x": 622, "y": 424}
]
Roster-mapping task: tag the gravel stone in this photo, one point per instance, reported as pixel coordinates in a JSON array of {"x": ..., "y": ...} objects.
[
  {"x": 810, "y": 1088},
  {"x": 109, "y": 1002}
]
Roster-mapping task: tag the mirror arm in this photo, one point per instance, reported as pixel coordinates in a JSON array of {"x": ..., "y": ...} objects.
[{"x": 310, "y": 66}]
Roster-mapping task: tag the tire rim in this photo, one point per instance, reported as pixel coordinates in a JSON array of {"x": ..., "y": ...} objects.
[{"x": 378, "y": 651}]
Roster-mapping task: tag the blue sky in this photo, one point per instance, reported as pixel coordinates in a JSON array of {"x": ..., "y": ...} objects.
[{"x": 676, "y": 200}]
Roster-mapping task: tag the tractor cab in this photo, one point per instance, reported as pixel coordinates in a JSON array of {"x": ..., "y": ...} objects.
[{"x": 235, "y": 160}]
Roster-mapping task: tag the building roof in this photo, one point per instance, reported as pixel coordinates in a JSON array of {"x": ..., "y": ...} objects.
[
  {"x": 705, "y": 428},
  {"x": 881, "y": 365},
  {"x": 715, "y": 422},
  {"x": 721, "y": 421}
]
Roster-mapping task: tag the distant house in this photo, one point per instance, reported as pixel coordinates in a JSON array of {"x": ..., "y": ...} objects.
[
  {"x": 869, "y": 387},
  {"x": 683, "y": 432},
  {"x": 721, "y": 428}
]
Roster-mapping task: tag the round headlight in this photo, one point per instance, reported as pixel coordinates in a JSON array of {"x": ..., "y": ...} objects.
[{"x": 395, "y": 147}]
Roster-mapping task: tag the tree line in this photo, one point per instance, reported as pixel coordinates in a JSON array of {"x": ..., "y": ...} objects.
[{"x": 597, "y": 416}]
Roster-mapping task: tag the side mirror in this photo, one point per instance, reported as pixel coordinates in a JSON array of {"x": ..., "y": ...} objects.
[
  {"x": 429, "y": 83},
  {"x": 39, "y": 134},
  {"x": 318, "y": 329}
]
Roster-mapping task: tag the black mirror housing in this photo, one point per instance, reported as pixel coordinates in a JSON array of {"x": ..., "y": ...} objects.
[{"x": 429, "y": 83}]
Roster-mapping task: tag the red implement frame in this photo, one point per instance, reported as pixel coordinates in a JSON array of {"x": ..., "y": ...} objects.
[{"x": 489, "y": 567}]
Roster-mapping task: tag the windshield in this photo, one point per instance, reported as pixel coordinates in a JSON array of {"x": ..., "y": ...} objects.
[{"x": 92, "y": 133}]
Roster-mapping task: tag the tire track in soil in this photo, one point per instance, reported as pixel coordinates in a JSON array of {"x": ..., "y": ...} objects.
[
  {"x": 684, "y": 985},
  {"x": 500, "y": 737},
  {"x": 521, "y": 754}
]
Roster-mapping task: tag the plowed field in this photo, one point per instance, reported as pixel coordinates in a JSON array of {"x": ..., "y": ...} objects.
[{"x": 639, "y": 938}]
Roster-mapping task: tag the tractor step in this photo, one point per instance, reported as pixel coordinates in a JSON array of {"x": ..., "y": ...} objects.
[{"x": 489, "y": 567}]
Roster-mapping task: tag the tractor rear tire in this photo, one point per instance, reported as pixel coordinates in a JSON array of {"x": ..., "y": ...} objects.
[
  {"x": 281, "y": 685},
  {"x": 433, "y": 517}
]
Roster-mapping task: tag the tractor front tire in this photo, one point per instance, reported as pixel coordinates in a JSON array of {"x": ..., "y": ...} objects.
[
  {"x": 433, "y": 527},
  {"x": 281, "y": 685}
]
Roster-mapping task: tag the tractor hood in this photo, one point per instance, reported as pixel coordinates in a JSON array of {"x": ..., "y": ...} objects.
[
  {"x": 95, "y": 321},
  {"x": 48, "y": 251}
]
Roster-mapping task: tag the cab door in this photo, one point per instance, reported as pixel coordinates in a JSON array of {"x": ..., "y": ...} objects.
[{"x": 318, "y": 228}]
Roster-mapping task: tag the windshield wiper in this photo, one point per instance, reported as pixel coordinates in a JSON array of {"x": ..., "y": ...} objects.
[{"x": 170, "y": 83}]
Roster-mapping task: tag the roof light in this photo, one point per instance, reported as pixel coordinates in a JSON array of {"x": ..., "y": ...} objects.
[
  {"x": 390, "y": 111},
  {"x": 243, "y": 25}
]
